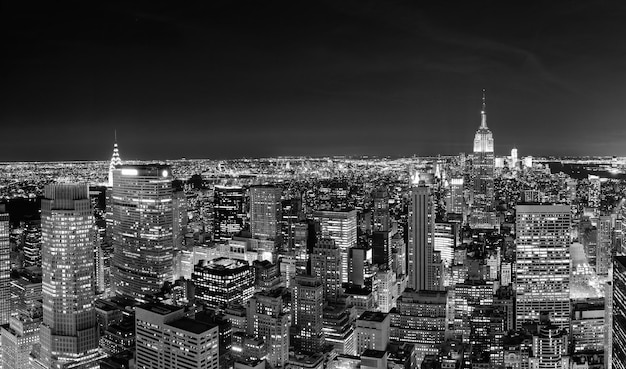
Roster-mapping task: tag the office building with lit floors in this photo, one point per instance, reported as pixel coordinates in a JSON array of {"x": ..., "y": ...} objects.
[
  {"x": 268, "y": 321},
  {"x": 5, "y": 269},
  {"x": 69, "y": 331},
  {"x": 326, "y": 263},
  {"x": 167, "y": 338},
  {"x": 228, "y": 212},
  {"x": 222, "y": 282},
  {"x": 543, "y": 263},
  {"x": 265, "y": 211},
  {"x": 618, "y": 329},
  {"x": 307, "y": 308},
  {"x": 420, "y": 319},
  {"x": 423, "y": 271},
  {"x": 341, "y": 227},
  {"x": 142, "y": 229},
  {"x": 483, "y": 165}
]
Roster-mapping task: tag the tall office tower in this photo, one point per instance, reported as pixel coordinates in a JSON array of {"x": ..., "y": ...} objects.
[
  {"x": 265, "y": 211},
  {"x": 341, "y": 227},
  {"x": 69, "y": 332},
  {"x": 422, "y": 270},
  {"x": 115, "y": 161},
  {"x": 307, "y": 314},
  {"x": 326, "y": 265},
  {"x": 381, "y": 211},
  {"x": 514, "y": 159},
  {"x": 22, "y": 332},
  {"x": 223, "y": 282},
  {"x": 228, "y": 212},
  {"x": 381, "y": 248},
  {"x": 268, "y": 321},
  {"x": 483, "y": 165},
  {"x": 32, "y": 244},
  {"x": 543, "y": 263},
  {"x": 618, "y": 329},
  {"x": 5, "y": 269},
  {"x": 300, "y": 247},
  {"x": 605, "y": 245},
  {"x": 593, "y": 194},
  {"x": 372, "y": 331},
  {"x": 588, "y": 326},
  {"x": 338, "y": 329},
  {"x": 455, "y": 199},
  {"x": 386, "y": 289},
  {"x": 550, "y": 346},
  {"x": 142, "y": 237},
  {"x": 180, "y": 218},
  {"x": 166, "y": 338},
  {"x": 420, "y": 319},
  {"x": 446, "y": 240},
  {"x": 468, "y": 297}
]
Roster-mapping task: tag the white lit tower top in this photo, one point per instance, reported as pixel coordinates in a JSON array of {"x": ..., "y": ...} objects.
[
  {"x": 115, "y": 161},
  {"x": 483, "y": 140}
]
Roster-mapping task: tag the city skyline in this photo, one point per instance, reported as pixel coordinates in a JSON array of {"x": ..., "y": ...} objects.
[{"x": 303, "y": 79}]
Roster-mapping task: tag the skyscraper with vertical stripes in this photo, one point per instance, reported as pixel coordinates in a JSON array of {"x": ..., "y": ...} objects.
[
  {"x": 142, "y": 229},
  {"x": 69, "y": 333}
]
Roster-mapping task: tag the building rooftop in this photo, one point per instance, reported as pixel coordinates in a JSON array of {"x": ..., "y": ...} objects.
[
  {"x": 192, "y": 325},
  {"x": 373, "y": 316},
  {"x": 374, "y": 353},
  {"x": 159, "y": 308}
]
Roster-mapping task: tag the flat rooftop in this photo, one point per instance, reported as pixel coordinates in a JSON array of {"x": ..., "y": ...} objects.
[
  {"x": 191, "y": 325},
  {"x": 373, "y": 316}
]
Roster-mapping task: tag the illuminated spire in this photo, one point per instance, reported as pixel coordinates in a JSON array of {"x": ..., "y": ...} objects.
[
  {"x": 115, "y": 160},
  {"x": 483, "y": 112}
]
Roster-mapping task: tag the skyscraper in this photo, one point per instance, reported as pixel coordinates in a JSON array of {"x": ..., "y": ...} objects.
[
  {"x": 166, "y": 338},
  {"x": 268, "y": 321},
  {"x": 223, "y": 281},
  {"x": 228, "y": 212},
  {"x": 618, "y": 329},
  {"x": 265, "y": 211},
  {"x": 381, "y": 210},
  {"x": 142, "y": 237},
  {"x": 326, "y": 264},
  {"x": 69, "y": 333},
  {"x": 543, "y": 263},
  {"x": 5, "y": 269},
  {"x": 483, "y": 168},
  {"x": 115, "y": 161},
  {"x": 341, "y": 227},
  {"x": 422, "y": 271},
  {"x": 307, "y": 314}
]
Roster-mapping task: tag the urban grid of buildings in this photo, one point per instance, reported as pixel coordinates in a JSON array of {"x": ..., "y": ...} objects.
[{"x": 472, "y": 261}]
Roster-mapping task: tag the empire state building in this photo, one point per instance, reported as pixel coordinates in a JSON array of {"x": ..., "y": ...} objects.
[{"x": 483, "y": 168}]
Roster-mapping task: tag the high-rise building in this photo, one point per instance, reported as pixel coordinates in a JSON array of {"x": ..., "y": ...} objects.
[
  {"x": 588, "y": 326},
  {"x": 372, "y": 331},
  {"x": 307, "y": 314},
  {"x": 228, "y": 212},
  {"x": 166, "y": 338},
  {"x": 326, "y": 263},
  {"x": 618, "y": 329},
  {"x": 69, "y": 332},
  {"x": 455, "y": 199},
  {"x": 268, "y": 320},
  {"x": 381, "y": 211},
  {"x": 115, "y": 161},
  {"x": 483, "y": 167},
  {"x": 22, "y": 333},
  {"x": 420, "y": 319},
  {"x": 381, "y": 248},
  {"x": 5, "y": 269},
  {"x": 338, "y": 329},
  {"x": 142, "y": 237},
  {"x": 543, "y": 263},
  {"x": 223, "y": 282},
  {"x": 265, "y": 211},
  {"x": 32, "y": 244},
  {"x": 341, "y": 227},
  {"x": 423, "y": 272}
]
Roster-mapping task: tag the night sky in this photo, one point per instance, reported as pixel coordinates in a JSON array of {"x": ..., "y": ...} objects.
[{"x": 228, "y": 79}]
